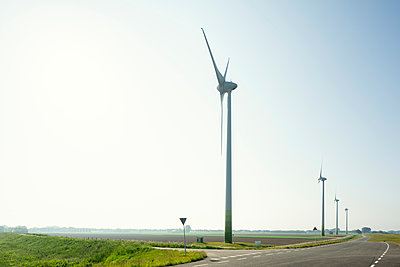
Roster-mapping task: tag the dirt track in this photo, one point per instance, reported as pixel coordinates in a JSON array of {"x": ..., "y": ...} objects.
[{"x": 190, "y": 239}]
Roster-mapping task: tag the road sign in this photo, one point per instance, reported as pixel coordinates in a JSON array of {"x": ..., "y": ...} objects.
[{"x": 183, "y": 220}]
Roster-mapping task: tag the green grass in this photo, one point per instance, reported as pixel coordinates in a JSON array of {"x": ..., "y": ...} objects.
[
  {"x": 384, "y": 238},
  {"x": 243, "y": 245},
  {"x": 207, "y": 245},
  {"x": 41, "y": 250},
  {"x": 314, "y": 244},
  {"x": 180, "y": 245},
  {"x": 237, "y": 245}
]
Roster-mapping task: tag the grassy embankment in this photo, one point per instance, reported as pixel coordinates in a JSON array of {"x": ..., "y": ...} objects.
[
  {"x": 322, "y": 243},
  {"x": 42, "y": 250},
  {"x": 384, "y": 238}
]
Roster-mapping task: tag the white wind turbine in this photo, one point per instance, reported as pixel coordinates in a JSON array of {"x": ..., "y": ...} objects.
[
  {"x": 323, "y": 179},
  {"x": 225, "y": 87},
  {"x": 347, "y": 220},
  {"x": 337, "y": 214}
]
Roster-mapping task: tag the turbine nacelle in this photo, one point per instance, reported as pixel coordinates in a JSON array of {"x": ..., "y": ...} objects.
[
  {"x": 226, "y": 87},
  {"x": 337, "y": 200},
  {"x": 320, "y": 176}
]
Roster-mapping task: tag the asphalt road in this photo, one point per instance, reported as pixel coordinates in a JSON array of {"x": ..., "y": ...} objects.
[{"x": 353, "y": 253}]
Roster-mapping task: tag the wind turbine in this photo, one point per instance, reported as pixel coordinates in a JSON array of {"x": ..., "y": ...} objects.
[
  {"x": 337, "y": 214},
  {"x": 225, "y": 87},
  {"x": 347, "y": 220},
  {"x": 323, "y": 179}
]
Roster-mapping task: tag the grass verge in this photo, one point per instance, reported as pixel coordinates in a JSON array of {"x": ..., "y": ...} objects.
[
  {"x": 207, "y": 245},
  {"x": 314, "y": 244},
  {"x": 41, "y": 250},
  {"x": 384, "y": 238},
  {"x": 244, "y": 246}
]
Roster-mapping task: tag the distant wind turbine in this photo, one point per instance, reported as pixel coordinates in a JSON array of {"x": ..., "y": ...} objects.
[
  {"x": 225, "y": 87},
  {"x": 323, "y": 179},
  {"x": 347, "y": 220},
  {"x": 337, "y": 214}
]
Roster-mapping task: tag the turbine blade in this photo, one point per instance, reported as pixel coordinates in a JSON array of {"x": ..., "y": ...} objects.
[
  {"x": 226, "y": 69},
  {"x": 220, "y": 79},
  {"x": 221, "y": 95},
  {"x": 320, "y": 172}
]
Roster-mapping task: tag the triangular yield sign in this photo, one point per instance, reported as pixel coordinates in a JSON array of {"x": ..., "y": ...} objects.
[{"x": 183, "y": 220}]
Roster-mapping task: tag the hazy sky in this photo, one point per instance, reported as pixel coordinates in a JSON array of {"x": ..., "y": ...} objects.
[{"x": 110, "y": 115}]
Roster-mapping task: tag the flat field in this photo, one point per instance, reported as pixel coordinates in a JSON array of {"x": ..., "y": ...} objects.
[
  {"x": 384, "y": 238},
  {"x": 266, "y": 239}
]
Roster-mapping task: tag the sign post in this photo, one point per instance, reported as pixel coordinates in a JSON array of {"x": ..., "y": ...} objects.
[{"x": 183, "y": 220}]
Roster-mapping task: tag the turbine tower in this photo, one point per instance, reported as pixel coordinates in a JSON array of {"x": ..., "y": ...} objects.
[
  {"x": 347, "y": 220},
  {"x": 337, "y": 214},
  {"x": 225, "y": 87},
  {"x": 323, "y": 179}
]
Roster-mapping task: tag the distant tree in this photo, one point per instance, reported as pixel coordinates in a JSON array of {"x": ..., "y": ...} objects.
[
  {"x": 188, "y": 228},
  {"x": 20, "y": 229},
  {"x": 366, "y": 230},
  {"x": 2, "y": 228},
  {"x": 358, "y": 231}
]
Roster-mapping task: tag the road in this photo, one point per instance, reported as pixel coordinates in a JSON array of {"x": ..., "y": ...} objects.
[{"x": 353, "y": 253}]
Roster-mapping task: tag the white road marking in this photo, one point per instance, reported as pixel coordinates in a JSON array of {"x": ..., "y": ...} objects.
[
  {"x": 232, "y": 256},
  {"x": 241, "y": 259},
  {"x": 383, "y": 254},
  {"x": 201, "y": 265},
  {"x": 256, "y": 256},
  {"x": 223, "y": 262}
]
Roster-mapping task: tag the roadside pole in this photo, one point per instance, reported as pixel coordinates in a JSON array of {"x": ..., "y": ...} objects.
[{"x": 183, "y": 220}]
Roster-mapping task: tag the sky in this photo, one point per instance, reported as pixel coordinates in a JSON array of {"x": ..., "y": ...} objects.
[{"x": 110, "y": 117}]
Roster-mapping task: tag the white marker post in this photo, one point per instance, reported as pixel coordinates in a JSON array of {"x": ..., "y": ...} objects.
[{"x": 183, "y": 220}]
